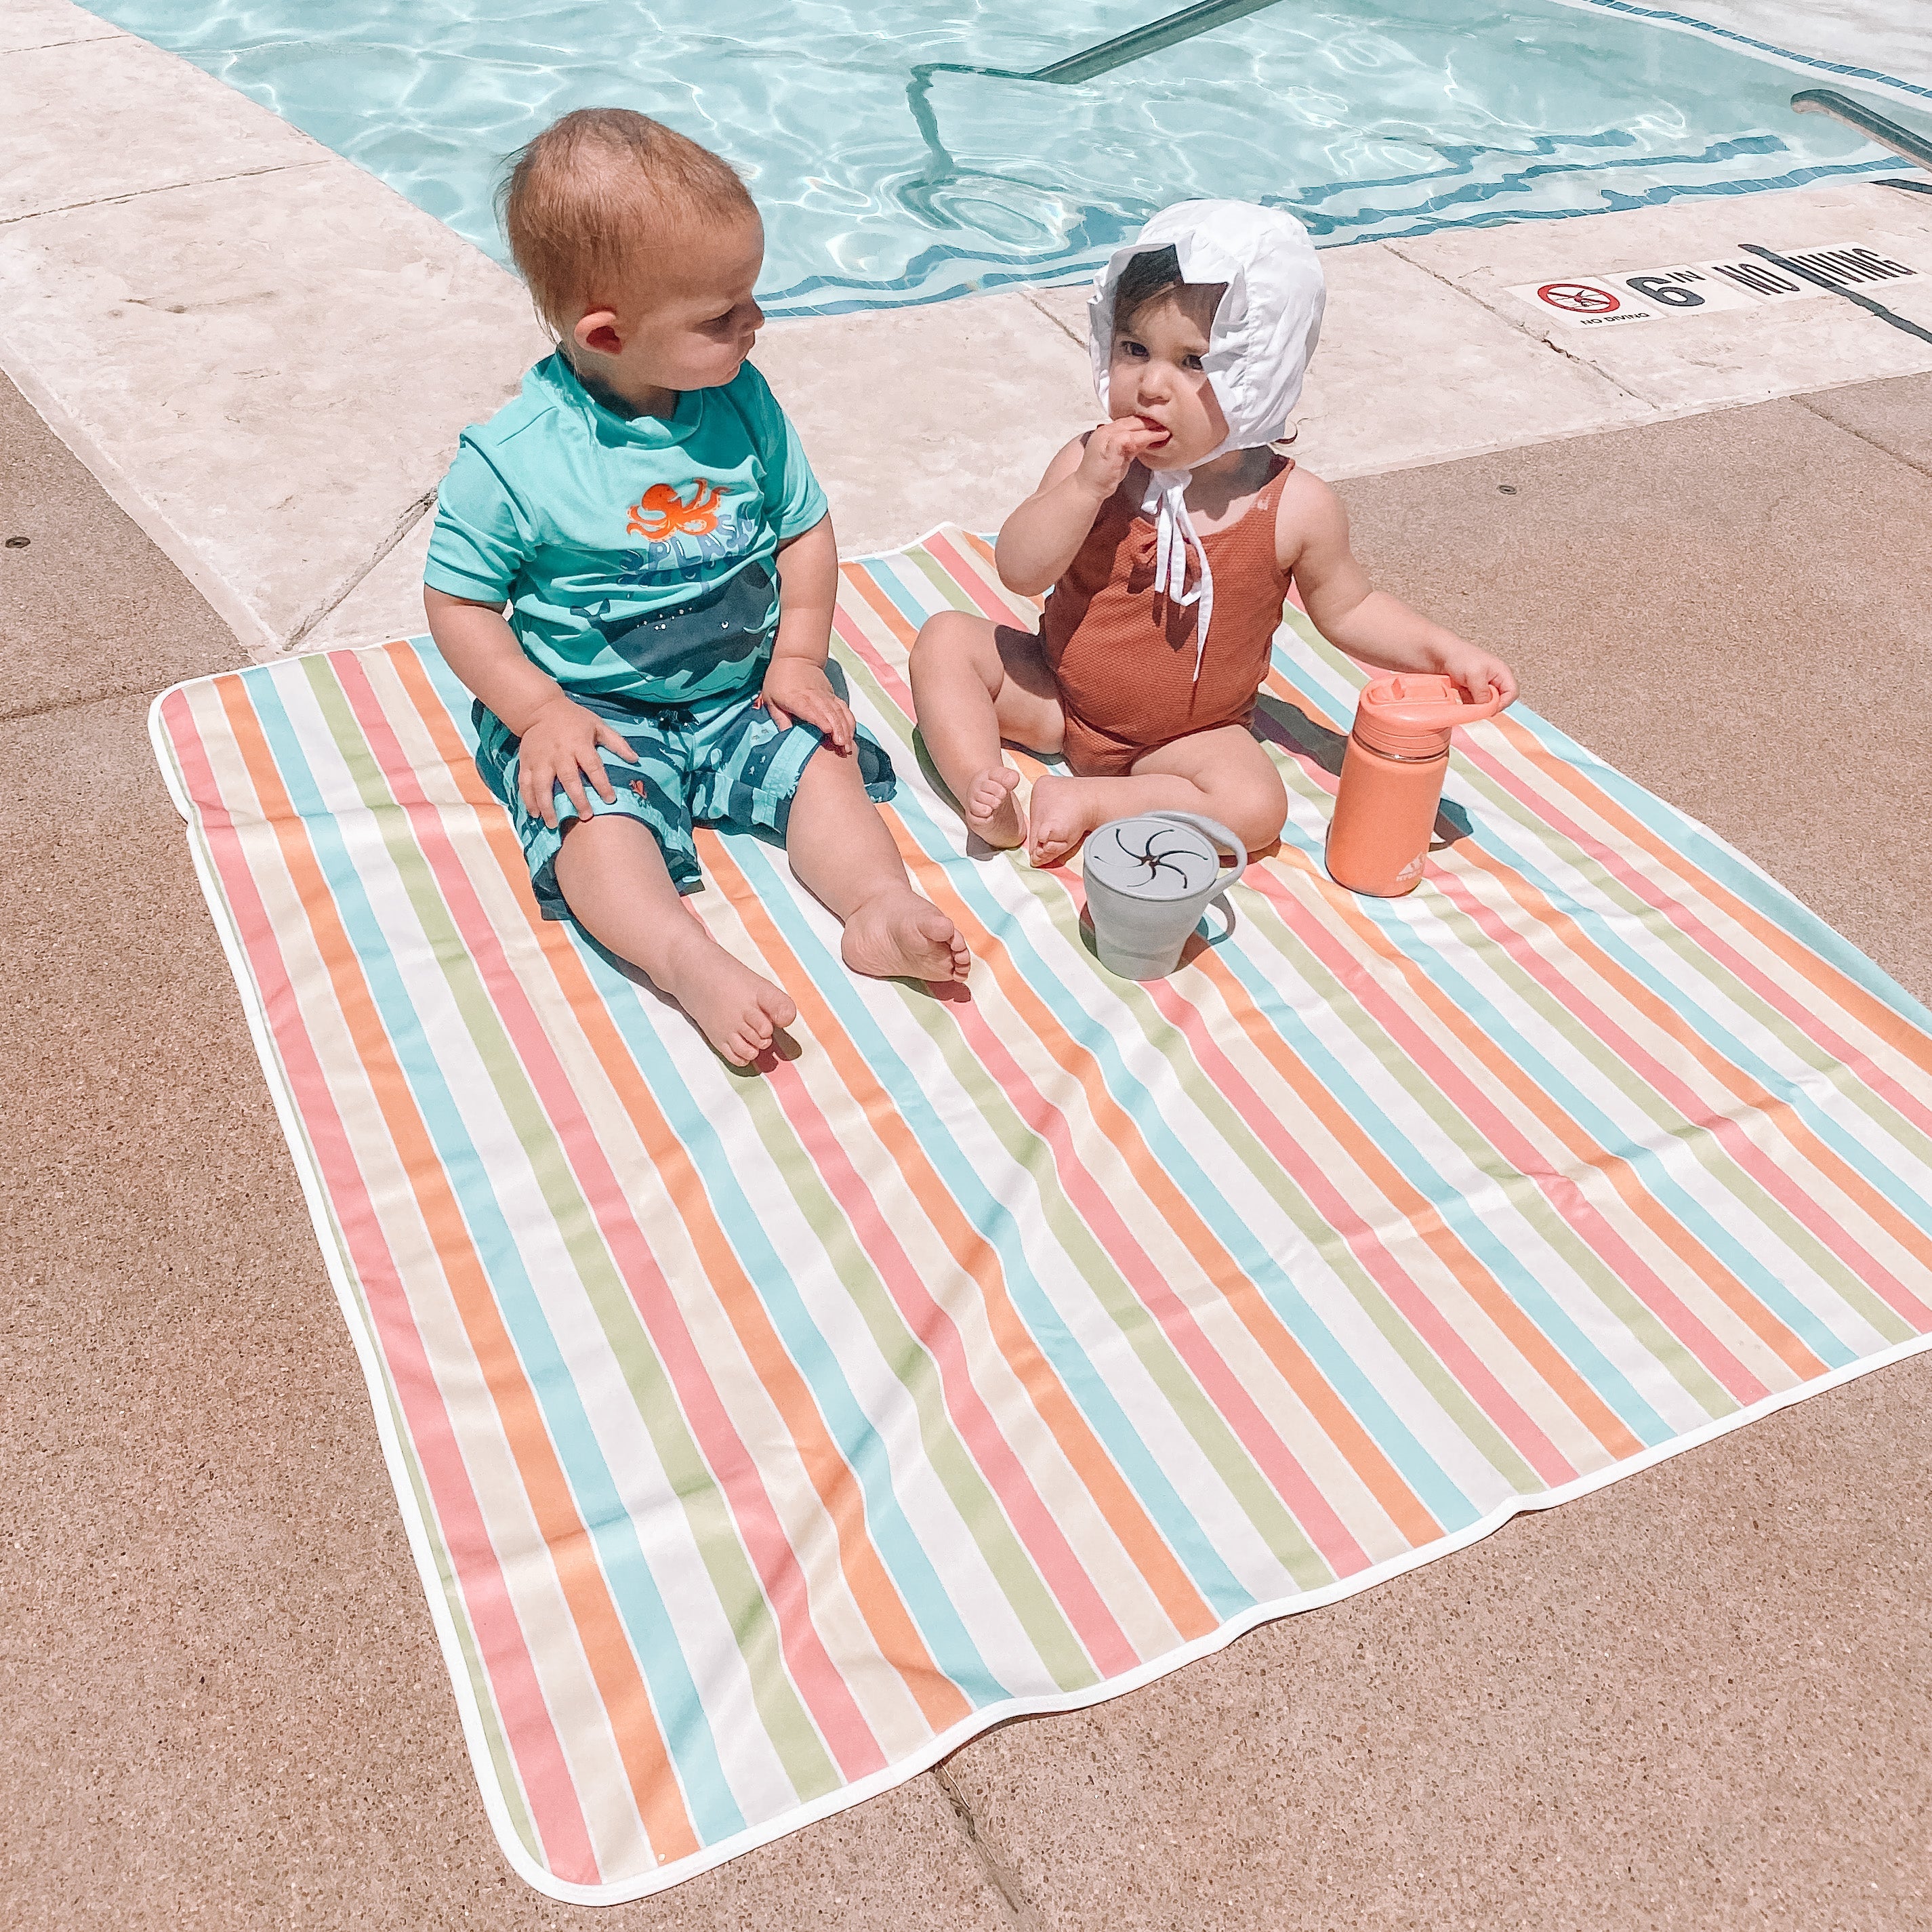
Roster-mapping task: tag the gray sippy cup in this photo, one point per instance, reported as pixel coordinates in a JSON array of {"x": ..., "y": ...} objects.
[{"x": 1149, "y": 880}]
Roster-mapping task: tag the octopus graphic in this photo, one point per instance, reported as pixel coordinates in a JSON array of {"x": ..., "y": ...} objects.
[{"x": 660, "y": 514}]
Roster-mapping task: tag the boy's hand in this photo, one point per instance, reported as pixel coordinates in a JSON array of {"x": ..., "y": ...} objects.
[
  {"x": 559, "y": 747},
  {"x": 1112, "y": 450},
  {"x": 797, "y": 690},
  {"x": 1479, "y": 672}
]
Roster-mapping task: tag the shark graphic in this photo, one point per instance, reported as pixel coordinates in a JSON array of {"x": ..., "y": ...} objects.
[{"x": 726, "y": 625}]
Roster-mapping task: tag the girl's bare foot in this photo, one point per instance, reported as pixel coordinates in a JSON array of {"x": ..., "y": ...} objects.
[
  {"x": 1064, "y": 810},
  {"x": 737, "y": 1010},
  {"x": 992, "y": 807},
  {"x": 895, "y": 934}
]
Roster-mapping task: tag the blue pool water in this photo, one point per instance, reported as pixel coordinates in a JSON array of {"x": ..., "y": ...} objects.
[{"x": 888, "y": 176}]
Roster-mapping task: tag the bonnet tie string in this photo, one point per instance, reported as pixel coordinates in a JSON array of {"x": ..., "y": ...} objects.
[{"x": 1174, "y": 532}]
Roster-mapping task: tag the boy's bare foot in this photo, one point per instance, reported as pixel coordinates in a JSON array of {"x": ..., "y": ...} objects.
[
  {"x": 737, "y": 1010},
  {"x": 992, "y": 807},
  {"x": 897, "y": 935},
  {"x": 1064, "y": 810}
]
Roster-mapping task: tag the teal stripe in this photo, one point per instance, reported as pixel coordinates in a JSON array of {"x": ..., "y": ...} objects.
[
  {"x": 1438, "y": 1492},
  {"x": 612, "y": 1532}
]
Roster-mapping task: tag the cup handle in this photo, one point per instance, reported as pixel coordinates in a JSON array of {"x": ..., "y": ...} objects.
[{"x": 1219, "y": 834}]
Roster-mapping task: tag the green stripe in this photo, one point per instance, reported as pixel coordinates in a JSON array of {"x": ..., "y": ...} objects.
[
  {"x": 1698, "y": 1140},
  {"x": 793, "y": 1735},
  {"x": 1529, "y": 1201},
  {"x": 901, "y": 1350},
  {"x": 1321, "y": 1234},
  {"x": 1256, "y": 1496}
]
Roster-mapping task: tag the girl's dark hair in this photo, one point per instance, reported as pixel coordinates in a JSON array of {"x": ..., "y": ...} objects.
[{"x": 1144, "y": 277}]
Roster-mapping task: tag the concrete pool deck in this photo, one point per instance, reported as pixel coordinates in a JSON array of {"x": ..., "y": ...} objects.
[
  {"x": 265, "y": 355},
  {"x": 226, "y": 1707}
]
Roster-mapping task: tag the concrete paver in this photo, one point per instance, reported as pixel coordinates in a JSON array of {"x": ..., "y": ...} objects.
[
  {"x": 48, "y": 23},
  {"x": 1896, "y": 416},
  {"x": 88, "y": 608},
  {"x": 137, "y": 106},
  {"x": 919, "y": 416},
  {"x": 280, "y": 472},
  {"x": 1700, "y": 1699},
  {"x": 1730, "y": 609}
]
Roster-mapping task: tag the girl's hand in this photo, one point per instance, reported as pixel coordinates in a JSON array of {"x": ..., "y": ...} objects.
[
  {"x": 559, "y": 747},
  {"x": 796, "y": 688},
  {"x": 1479, "y": 672},
  {"x": 1112, "y": 450}
]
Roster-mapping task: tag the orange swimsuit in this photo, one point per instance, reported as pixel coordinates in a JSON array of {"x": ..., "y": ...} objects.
[{"x": 1123, "y": 658}]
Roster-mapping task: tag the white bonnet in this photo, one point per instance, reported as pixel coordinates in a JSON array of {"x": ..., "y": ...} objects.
[{"x": 1268, "y": 322}]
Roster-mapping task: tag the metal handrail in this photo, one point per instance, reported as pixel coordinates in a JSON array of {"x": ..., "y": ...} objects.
[{"x": 1887, "y": 133}]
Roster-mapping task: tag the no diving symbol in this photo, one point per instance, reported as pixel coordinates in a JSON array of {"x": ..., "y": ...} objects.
[{"x": 1578, "y": 298}]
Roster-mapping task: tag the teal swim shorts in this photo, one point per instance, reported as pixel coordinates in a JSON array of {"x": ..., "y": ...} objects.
[{"x": 720, "y": 761}]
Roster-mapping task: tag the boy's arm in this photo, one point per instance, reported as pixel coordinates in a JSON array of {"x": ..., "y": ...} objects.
[
  {"x": 1311, "y": 539},
  {"x": 796, "y": 686},
  {"x": 1042, "y": 537},
  {"x": 559, "y": 738}
]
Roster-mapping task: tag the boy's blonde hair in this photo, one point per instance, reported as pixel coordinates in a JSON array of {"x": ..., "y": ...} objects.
[{"x": 596, "y": 195}]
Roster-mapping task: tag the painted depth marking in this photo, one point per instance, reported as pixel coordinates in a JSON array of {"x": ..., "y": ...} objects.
[{"x": 1701, "y": 288}]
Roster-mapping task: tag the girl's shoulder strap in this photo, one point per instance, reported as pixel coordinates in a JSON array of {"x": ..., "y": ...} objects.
[{"x": 1271, "y": 492}]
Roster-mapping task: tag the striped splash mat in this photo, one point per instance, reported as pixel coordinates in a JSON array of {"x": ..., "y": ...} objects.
[{"x": 762, "y": 1435}]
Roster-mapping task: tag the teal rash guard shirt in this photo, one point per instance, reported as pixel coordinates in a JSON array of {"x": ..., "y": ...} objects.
[{"x": 637, "y": 554}]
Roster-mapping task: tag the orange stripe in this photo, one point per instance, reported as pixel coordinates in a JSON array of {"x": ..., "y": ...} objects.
[
  {"x": 1377, "y": 1474},
  {"x": 879, "y": 1604},
  {"x": 1615, "y": 1169},
  {"x": 1574, "y": 941},
  {"x": 1119, "y": 1507},
  {"x": 647, "y": 1765},
  {"x": 1897, "y": 1032}
]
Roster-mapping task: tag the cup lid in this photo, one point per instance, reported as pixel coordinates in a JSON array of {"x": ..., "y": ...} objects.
[
  {"x": 1150, "y": 858},
  {"x": 1412, "y": 716}
]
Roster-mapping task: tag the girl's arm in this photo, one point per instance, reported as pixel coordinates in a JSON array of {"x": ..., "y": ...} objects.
[
  {"x": 1042, "y": 537},
  {"x": 559, "y": 738},
  {"x": 1311, "y": 539}
]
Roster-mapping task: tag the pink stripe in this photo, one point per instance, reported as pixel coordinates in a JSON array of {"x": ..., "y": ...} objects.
[
  {"x": 1807, "y": 1020},
  {"x": 967, "y": 577},
  {"x": 1325, "y": 1529},
  {"x": 548, "y": 1786},
  {"x": 1573, "y": 1207},
  {"x": 1045, "y": 1542},
  {"x": 894, "y": 684},
  {"x": 1745, "y": 1154},
  {"x": 819, "y": 1679},
  {"x": 1421, "y": 1313},
  {"x": 1782, "y": 1188}
]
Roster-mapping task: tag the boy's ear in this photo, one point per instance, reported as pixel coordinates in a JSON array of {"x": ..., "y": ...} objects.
[{"x": 597, "y": 332}]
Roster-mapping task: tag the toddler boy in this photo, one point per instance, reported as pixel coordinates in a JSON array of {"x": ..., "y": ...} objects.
[{"x": 647, "y": 513}]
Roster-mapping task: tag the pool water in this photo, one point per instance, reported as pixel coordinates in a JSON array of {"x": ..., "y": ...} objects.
[{"x": 888, "y": 176}]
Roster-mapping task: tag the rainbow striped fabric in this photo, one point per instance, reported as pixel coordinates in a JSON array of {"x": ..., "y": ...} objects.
[{"x": 762, "y": 1435}]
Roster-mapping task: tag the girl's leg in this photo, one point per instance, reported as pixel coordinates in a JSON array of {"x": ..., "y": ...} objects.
[
  {"x": 974, "y": 682},
  {"x": 843, "y": 853},
  {"x": 1224, "y": 775},
  {"x": 613, "y": 878}
]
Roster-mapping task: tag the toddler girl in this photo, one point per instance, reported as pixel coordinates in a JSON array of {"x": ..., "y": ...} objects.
[{"x": 1167, "y": 538}]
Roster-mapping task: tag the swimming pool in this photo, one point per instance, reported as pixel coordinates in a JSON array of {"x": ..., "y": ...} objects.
[{"x": 909, "y": 153}]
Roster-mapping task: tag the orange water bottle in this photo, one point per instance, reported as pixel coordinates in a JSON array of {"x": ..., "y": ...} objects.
[{"x": 1392, "y": 777}]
